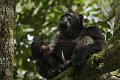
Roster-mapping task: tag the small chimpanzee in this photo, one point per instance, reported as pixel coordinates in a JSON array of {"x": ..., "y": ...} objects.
[{"x": 46, "y": 65}]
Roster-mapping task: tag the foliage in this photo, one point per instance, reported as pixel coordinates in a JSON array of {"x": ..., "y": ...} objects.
[{"x": 40, "y": 18}]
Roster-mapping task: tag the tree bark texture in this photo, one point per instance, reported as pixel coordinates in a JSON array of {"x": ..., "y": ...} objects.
[{"x": 7, "y": 26}]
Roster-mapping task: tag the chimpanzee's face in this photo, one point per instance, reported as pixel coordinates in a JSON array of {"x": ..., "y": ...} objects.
[
  {"x": 68, "y": 23},
  {"x": 36, "y": 50}
]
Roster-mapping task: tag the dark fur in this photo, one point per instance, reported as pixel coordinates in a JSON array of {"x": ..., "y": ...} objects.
[
  {"x": 46, "y": 65},
  {"x": 76, "y": 41},
  {"x": 72, "y": 44}
]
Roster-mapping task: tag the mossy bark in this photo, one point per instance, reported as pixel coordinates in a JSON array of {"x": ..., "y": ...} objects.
[
  {"x": 7, "y": 25},
  {"x": 105, "y": 61}
]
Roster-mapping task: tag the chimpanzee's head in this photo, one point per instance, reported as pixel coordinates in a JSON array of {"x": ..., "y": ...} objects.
[
  {"x": 39, "y": 49},
  {"x": 70, "y": 23},
  {"x": 36, "y": 50}
]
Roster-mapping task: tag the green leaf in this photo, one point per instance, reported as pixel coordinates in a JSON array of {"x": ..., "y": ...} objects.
[
  {"x": 108, "y": 36},
  {"x": 104, "y": 24}
]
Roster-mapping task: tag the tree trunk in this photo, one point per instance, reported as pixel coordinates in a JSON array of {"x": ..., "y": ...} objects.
[
  {"x": 7, "y": 25},
  {"x": 103, "y": 62}
]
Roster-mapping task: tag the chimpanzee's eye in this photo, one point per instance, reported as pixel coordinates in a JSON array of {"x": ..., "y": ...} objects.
[
  {"x": 69, "y": 14},
  {"x": 62, "y": 19}
]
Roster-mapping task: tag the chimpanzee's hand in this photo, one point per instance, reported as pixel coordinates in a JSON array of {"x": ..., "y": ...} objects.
[
  {"x": 64, "y": 66},
  {"x": 53, "y": 72}
]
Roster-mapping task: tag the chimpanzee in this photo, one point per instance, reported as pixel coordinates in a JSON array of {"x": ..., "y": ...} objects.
[
  {"x": 75, "y": 40},
  {"x": 73, "y": 44},
  {"x": 46, "y": 65}
]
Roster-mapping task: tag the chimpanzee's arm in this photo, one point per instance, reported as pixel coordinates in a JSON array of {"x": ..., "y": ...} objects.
[{"x": 90, "y": 42}]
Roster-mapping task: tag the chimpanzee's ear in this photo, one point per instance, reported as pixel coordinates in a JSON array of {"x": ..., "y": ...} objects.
[
  {"x": 80, "y": 16},
  {"x": 81, "y": 19}
]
